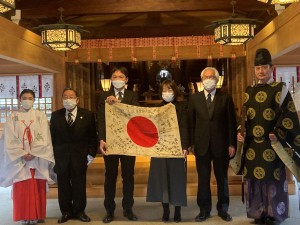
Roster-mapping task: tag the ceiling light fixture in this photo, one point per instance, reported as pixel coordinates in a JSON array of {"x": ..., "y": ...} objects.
[
  {"x": 234, "y": 31},
  {"x": 281, "y": 2},
  {"x": 105, "y": 84},
  {"x": 7, "y": 5},
  {"x": 61, "y": 36}
]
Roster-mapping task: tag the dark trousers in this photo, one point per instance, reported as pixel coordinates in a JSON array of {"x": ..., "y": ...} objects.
[
  {"x": 72, "y": 190},
  {"x": 111, "y": 174},
  {"x": 220, "y": 166}
]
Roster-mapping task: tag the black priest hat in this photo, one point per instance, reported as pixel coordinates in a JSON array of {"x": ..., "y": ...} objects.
[{"x": 262, "y": 57}]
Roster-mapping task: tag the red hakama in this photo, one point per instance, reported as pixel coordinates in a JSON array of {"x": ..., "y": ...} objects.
[{"x": 29, "y": 199}]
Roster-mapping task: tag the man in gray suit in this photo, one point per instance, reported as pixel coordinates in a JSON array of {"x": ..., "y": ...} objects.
[
  {"x": 119, "y": 78},
  {"x": 213, "y": 136}
]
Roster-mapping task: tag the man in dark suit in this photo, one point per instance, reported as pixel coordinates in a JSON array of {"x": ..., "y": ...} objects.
[
  {"x": 213, "y": 136},
  {"x": 74, "y": 139},
  {"x": 119, "y": 78}
]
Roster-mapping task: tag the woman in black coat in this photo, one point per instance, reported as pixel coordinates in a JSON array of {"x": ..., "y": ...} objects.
[{"x": 167, "y": 176}]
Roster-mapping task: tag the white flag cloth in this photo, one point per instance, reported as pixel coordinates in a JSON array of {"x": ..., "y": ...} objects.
[
  {"x": 144, "y": 131},
  {"x": 47, "y": 86},
  {"x": 8, "y": 87},
  {"x": 30, "y": 82}
]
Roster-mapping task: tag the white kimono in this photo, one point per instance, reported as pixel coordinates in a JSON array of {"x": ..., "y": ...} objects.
[{"x": 26, "y": 133}]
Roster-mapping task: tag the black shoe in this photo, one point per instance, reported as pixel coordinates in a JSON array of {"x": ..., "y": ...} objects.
[
  {"x": 108, "y": 218},
  {"x": 165, "y": 218},
  {"x": 177, "y": 214},
  {"x": 177, "y": 218},
  {"x": 271, "y": 221},
  {"x": 64, "y": 218},
  {"x": 259, "y": 221},
  {"x": 225, "y": 216},
  {"x": 41, "y": 221},
  {"x": 166, "y": 214},
  {"x": 202, "y": 216},
  {"x": 83, "y": 217},
  {"x": 130, "y": 215}
]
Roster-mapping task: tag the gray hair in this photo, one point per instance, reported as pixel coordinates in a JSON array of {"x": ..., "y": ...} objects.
[{"x": 213, "y": 69}]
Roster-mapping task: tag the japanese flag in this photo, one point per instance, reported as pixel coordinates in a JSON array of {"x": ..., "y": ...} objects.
[{"x": 144, "y": 131}]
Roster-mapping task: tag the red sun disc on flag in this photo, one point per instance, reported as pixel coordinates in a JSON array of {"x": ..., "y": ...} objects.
[{"x": 142, "y": 131}]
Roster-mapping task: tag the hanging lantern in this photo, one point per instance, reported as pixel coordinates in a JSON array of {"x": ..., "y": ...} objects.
[
  {"x": 220, "y": 82},
  {"x": 61, "y": 36},
  {"x": 7, "y": 5},
  {"x": 234, "y": 31},
  {"x": 105, "y": 84},
  {"x": 281, "y": 2}
]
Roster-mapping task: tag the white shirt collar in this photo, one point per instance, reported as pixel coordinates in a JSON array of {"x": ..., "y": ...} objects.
[
  {"x": 117, "y": 91},
  {"x": 211, "y": 93},
  {"x": 74, "y": 112}
]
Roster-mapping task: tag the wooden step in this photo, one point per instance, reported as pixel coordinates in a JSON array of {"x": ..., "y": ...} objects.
[{"x": 96, "y": 174}]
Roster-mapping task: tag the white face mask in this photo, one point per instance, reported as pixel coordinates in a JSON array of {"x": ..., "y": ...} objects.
[
  {"x": 168, "y": 96},
  {"x": 69, "y": 103},
  {"x": 27, "y": 104},
  {"x": 118, "y": 83},
  {"x": 209, "y": 84}
]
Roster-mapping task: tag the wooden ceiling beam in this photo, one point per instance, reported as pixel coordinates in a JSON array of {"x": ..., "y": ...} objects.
[
  {"x": 136, "y": 32},
  {"x": 46, "y": 8}
]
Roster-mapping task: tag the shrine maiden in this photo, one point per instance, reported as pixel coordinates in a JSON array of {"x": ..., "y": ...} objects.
[{"x": 26, "y": 160}]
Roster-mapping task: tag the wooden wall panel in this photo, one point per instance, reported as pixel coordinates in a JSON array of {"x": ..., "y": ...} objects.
[
  {"x": 144, "y": 54},
  {"x": 188, "y": 52},
  {"x": 238, "y": 81},
  {"x": 119, "y": 53},
  {"x": 81, "y": 78}
]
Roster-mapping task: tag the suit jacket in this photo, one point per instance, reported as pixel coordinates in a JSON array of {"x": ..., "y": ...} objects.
[
  {"x": 130, "y": 98},
  {"x": 73, "y": 142},
  {"x": 216, "y": 131}
]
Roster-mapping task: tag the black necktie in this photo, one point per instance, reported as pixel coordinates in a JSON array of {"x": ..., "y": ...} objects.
[
  {"x": 120, "y": 96},
  {"x": 208, "y": 100},
  {"x": 70, "y": 119}
]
